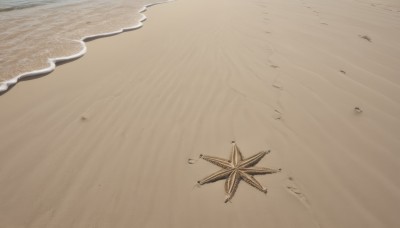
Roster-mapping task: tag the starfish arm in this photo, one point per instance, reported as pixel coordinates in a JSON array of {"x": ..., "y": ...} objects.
[
  {"x": 252, "y": 181},
  {"x": 222, "y": 174},
  {"x": 231, "y": 185},
  {"x": 253, "y": 160},
  {"x": 223, "y": 163},
  {"x": 236, "y": 155},
  {"x": 258, "y": 170}
]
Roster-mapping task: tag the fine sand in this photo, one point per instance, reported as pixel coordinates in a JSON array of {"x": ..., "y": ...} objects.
[{"x": 105, "y": 141}]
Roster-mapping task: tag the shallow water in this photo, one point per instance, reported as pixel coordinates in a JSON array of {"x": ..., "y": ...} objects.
[{"x": 34, "y": 31}]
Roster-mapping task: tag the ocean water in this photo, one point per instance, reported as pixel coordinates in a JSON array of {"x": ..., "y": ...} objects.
[{"x": 36, "y": 33}]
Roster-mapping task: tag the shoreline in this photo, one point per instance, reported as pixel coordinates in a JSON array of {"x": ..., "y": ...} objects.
[
  {"x": 5, "y": 85},
  {"x": 113, "y": 139}
]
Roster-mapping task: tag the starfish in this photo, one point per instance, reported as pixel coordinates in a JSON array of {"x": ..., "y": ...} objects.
[{"x": 237, "y": 169}]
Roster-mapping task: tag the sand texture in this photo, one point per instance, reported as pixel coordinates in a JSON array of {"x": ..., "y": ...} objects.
[{"x": 113, "y": 139}]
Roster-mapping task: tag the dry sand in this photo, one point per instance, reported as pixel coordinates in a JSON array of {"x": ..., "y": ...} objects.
[{"x": 104, "y": 141}]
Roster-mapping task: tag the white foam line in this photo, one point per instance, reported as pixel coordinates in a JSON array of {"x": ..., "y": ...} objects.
[{"x": 53, "y": 61}]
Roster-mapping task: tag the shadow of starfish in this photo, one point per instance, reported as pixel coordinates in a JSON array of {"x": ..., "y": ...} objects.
[{"x": 237, "y": 169}]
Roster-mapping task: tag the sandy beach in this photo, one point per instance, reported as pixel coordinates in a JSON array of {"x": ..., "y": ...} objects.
[{"x": 113, "y": 139}]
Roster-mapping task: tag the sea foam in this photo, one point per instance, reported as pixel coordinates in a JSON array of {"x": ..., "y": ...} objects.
[{"x": 52, "y": 62}]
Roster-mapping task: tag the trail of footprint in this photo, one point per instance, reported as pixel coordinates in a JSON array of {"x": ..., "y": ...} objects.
[
  {"x": 384, "y": 7},
  {"x": 315, "y": 12},
  {"x": 294, "y": 190},
  {"x": 277, "y": 115}
]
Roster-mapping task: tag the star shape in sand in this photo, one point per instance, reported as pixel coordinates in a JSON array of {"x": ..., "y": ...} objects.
[{"x": 237, "y": 169}]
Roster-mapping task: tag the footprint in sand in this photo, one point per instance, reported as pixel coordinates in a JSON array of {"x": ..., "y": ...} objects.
[
  {"x": 277, "y": 115},
  {"x": 293, "y": 189},
  {"x": 365, "y": 37},
  {"x": 277, "y": 85},
  {"x": 358, "y": 110}
]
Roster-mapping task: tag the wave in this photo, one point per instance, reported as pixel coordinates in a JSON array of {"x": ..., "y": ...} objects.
[
  {"x": 5, "y": 85},
  {"x": 11, "y": 8},
  {"x": 23, "y": 5}
]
